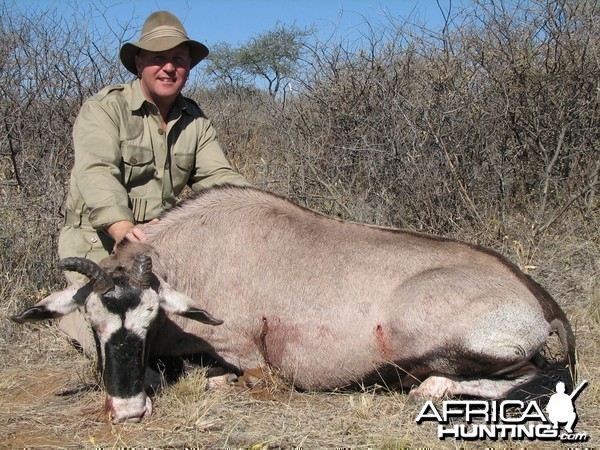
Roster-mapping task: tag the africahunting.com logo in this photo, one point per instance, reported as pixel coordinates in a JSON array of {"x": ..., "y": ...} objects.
[{"x": 507, "y": 419}]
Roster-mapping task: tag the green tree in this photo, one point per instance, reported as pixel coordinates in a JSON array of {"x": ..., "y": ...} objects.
[
  {"x": 224, "y": 66},
  {"x": 270, "y": 57}
]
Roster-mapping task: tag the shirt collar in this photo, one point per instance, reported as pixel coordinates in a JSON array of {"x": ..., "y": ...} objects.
[
  {"x": 179, "y": 107},
  {"x": 137, "y": 97}
]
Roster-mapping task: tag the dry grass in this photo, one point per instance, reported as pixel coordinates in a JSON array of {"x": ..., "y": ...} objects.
[{"x": 48, "y": 400}]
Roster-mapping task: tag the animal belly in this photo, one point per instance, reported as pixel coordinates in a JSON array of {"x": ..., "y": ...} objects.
[{"x": 322, "y": 356}]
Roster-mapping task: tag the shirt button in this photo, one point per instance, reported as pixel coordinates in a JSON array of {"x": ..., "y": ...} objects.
[
  {"x": 161, "y": 131},
  {"x": 133, "y": 160},
  {"x": 94, "y": 239}
]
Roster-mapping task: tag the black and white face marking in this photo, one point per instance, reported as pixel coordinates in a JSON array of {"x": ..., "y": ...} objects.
[{"x": 120, "y": 320}]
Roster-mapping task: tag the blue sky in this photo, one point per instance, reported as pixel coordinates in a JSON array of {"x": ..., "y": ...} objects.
[{"x": 235, "y": 21}]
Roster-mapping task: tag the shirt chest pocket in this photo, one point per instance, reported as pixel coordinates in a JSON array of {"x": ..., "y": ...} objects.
[
  {"x": 138, "y": 164},
  {"x": 183, "y": 163}
]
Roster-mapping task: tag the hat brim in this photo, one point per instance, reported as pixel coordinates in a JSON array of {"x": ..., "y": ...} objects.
[{"x": 129, "y": 50}]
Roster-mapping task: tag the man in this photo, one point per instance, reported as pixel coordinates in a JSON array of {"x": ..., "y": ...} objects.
[{"x": 137, "y": 146}]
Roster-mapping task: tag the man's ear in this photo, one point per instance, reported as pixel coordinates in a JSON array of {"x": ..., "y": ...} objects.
[
  {"x": 55, "y": 305},
  {"x": 138, "y": 64},
  {"x": 175, "y": 302}
]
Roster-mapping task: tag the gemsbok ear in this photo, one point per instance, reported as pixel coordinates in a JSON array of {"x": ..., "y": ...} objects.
[
  {"x": 175, "y": 302},
  {"x": 35, "y": 314},
  {"x": 200, "y": 315},
  {"x": 55, "y": 305}
]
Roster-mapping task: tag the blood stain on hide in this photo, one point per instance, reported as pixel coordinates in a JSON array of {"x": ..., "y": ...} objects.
[{"x": 382, "y": 343}]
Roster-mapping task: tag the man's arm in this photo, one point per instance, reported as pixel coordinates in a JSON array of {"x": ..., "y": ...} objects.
[
  {"x": 97, "y": 166},
  {"x": 212, "y": 167}
]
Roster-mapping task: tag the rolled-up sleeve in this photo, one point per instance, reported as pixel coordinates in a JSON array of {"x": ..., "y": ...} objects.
[{"x": 97, "y": 168}]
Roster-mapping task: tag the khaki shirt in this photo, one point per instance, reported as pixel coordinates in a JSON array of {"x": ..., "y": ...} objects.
[{"x": 128, "y": 168}]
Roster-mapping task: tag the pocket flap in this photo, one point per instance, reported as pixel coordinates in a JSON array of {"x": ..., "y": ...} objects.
[
  {"x": 184, "y": 161},
  {"x": 137, "y": 156}
]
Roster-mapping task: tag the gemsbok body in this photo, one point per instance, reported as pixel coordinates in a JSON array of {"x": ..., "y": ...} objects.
[{"x": 255, "y": 281}]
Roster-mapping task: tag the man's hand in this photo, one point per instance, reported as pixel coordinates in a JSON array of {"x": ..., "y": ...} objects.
[{"x": 125, "y": 229}]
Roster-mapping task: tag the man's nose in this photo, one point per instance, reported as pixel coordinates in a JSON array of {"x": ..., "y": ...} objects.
[{"x": 169, "y": 67}]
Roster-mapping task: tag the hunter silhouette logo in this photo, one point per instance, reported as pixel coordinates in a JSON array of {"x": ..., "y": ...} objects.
[
  {"x": 507, "y": 419},
  {"x": 560, "y": 408}
]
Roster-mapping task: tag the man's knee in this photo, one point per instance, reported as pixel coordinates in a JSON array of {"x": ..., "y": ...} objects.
[{"x": 84, "y": 243}]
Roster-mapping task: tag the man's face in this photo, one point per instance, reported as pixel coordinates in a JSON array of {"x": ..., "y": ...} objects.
[{"x": 163, "y": 74}]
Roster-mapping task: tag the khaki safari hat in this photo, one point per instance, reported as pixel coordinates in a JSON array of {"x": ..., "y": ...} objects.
[{"x": 161, "y": 31}]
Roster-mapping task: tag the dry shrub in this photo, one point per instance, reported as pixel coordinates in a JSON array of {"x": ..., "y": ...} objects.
[{"x": 456, "y": 131}]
